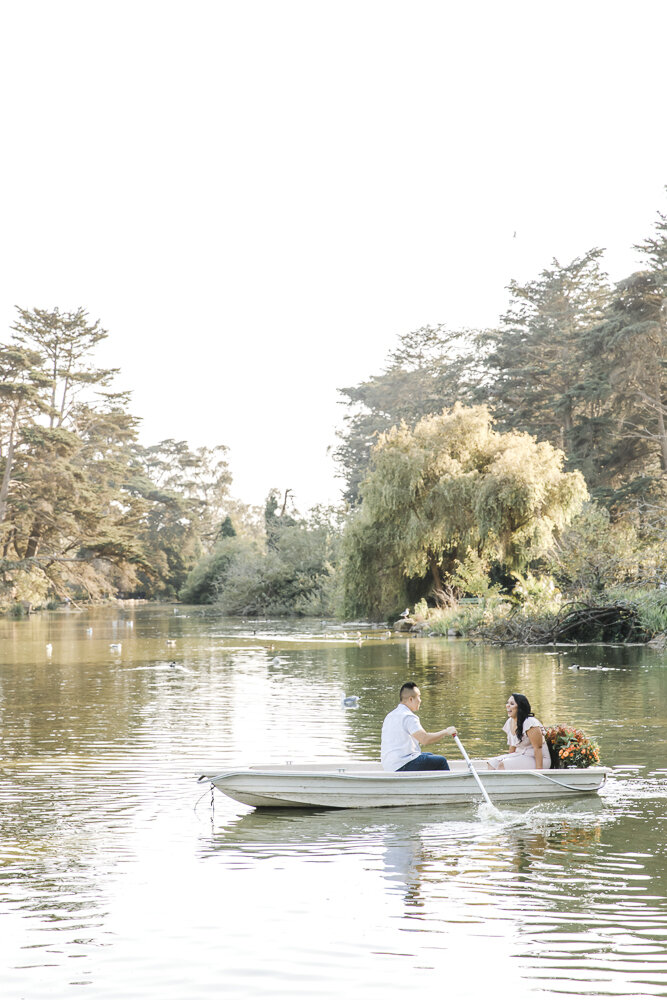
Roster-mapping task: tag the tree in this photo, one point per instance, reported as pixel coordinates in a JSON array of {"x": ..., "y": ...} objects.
[
  {"x": 288, "y": 571},
  {"x": 593, "y": 553},
  {"x": 65, "y": 342},
  {"x": 451, "y": 485},
  {"x": 82, "y": 505},
  {"x": 22, "y": 386},
  {"x": 185, "y": 495},
  {"x": 431, "y": 368},
  {"x": 70, "y": 520},
  {"x": 543, "y": 378},
  {"x": 46, "y": 485},
  {"x": 629, "y": 344}
]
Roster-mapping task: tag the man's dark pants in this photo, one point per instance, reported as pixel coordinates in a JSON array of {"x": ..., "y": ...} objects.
[{"x": 426, "y": 762}]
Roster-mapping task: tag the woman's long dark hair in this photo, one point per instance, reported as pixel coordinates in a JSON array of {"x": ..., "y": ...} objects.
[{"x": 523, "y": 711}]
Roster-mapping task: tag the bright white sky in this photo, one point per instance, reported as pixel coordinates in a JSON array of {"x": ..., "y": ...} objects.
[{"x": 256, "y": 198}]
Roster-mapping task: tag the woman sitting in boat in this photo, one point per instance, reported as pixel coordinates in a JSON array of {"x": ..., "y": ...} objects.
[{"x": 525, "y": 736}]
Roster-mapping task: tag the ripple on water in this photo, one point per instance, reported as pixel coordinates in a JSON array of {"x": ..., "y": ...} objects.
[{"x": 116, "y": 873}]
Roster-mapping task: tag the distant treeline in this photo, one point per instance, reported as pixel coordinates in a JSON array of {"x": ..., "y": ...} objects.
[
  {"x": 577, "y": 364},
  {"x": 527, "y": 457},
  {"x": 575, "y": 361}
]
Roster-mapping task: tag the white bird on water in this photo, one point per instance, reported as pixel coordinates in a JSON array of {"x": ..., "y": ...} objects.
[
  {"x": 116, "y": 647},
  {"x": 49, "y": 649},
  {"x": 349, "y": 700}
]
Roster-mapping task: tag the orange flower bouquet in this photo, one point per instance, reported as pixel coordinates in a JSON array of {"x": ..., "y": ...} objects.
[{"x": 571, "y": 748}]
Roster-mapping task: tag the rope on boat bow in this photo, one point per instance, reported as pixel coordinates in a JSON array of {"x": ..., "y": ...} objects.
[{"x": 574, "y": 788}]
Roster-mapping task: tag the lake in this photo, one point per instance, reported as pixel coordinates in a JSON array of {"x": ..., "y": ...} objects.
[{"x": 122, "y": 876}]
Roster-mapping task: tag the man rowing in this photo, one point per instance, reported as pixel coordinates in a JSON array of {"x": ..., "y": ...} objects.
[{"x": 403, "y": 736}]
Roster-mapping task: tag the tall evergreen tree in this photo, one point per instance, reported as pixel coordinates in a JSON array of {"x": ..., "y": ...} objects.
[
  {"x": 431, "y": 368},
  {"x": 22, "y": 396},
  {"x": 82, "y": 504},
  {"x": 65, "y": 342},
  {"x": 628, "y": 348},
  {"x": 541, "y": 374},
  {"x": 185, "y": 496}
]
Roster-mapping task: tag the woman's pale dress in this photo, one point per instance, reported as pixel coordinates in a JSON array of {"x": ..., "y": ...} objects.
[{"x": 523, "y": 758}]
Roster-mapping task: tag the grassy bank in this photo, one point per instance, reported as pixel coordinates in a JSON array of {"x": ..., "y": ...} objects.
[{"x": 613, "y": 616}]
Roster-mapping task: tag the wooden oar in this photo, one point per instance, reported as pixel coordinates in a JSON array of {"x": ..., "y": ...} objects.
[{"x": 474, "y": 772}]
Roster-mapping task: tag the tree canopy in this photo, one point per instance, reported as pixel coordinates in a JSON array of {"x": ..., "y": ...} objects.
[
  {"x": 574, "y": 360},
  {"x": 451, "y": 485},
  {"x": 287, "y": 568},
  {"x": 85, "y": 510}
]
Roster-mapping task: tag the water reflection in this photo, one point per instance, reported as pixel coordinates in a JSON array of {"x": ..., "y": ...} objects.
[
  {"x": 554, "y": 879},
  {"x": 116, "y": 872}
]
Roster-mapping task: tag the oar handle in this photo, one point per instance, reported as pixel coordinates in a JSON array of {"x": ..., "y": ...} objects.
[
  {"x": 461, "y": 748},
  {"x": 472, "y": 770}
]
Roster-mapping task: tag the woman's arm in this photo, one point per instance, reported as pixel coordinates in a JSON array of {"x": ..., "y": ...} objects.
[
  {"x": 507, "y": 728},
  {"x": 534, "y": 734}
]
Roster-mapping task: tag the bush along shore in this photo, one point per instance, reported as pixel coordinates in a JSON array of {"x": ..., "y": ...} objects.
[{"x": 606, "y": 618}]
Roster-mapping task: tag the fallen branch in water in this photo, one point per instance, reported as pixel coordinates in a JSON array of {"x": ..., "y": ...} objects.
[{"x": 577, "y": 621}]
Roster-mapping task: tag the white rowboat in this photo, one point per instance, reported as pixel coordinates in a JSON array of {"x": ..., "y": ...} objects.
[{"x": 364, "y": 784}]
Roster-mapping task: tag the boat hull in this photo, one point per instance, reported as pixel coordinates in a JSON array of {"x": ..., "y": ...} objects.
[{"x": 364, "y": 786}]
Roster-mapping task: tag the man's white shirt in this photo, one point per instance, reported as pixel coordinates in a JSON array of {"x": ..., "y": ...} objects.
[{"x": 398, "y": 744}]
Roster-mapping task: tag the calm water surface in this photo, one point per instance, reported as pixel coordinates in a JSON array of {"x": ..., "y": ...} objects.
[{"x": 119, "y": 877}]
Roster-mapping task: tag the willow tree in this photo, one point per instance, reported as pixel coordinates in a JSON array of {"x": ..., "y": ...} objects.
[{"x": 451, "y": 486}]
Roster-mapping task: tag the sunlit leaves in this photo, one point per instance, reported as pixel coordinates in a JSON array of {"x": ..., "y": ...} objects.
[{"x": 452, "y": 485}]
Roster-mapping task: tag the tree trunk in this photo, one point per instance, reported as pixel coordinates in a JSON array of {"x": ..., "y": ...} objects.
[
  {"x": 663, "y": 436},
  {"x": 4, "y": 488},
  {"x": 442, "y": 594},
  {"x": 435, "y": 571},
  {"x": 566, "y": 429},
  {"x": 52, "y": 415},
  {"x": 10, "y": 540},
  {"x": 34, "y": 540},
  {"x": 662, "y": 432}
]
